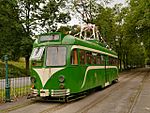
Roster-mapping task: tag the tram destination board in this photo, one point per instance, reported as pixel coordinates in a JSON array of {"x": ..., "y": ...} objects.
[{"x": 46, "y": 38}]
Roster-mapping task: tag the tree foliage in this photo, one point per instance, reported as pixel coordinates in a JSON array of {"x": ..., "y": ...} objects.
[
  {"x": 139, "y": 21},
  {"x": 87, "y": 9},
  {"x": 20, "y": 19},
  {"x": 105, "y": 22},
  {"x": 53, "y": 13},
  {"x": 10, "y": 29},
  {"x": 125, "y": 29}
]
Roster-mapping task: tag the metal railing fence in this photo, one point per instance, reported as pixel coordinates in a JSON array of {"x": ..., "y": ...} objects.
[{"x": 18, "y": 87}]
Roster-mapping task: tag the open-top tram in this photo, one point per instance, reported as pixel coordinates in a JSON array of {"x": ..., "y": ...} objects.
[{"x": 64, "y": 65}]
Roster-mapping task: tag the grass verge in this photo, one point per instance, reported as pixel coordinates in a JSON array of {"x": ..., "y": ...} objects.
[{"x": 15, "y": 69}]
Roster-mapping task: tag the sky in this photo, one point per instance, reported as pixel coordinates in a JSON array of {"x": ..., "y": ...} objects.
[{"x": 117, "y": 2}]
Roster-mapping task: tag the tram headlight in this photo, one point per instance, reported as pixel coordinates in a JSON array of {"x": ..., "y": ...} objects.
[
  {"x": 61, "y": 78},
  {"x": 62, "y": 85},
  {"x": 33, "y": 80}
]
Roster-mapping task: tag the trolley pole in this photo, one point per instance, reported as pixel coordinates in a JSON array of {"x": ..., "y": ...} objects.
[{"x": 7, "y": 84}]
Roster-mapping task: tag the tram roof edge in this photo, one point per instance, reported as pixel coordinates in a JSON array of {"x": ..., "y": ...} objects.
[{"x": 69, "y": 39}]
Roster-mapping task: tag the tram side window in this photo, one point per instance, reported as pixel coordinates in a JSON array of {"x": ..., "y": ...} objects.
[
  {"x": 74, "y": 57},
  {"x": 98, "y": 59},
  {"x": 102, "y": 59},
  {"x": 89, "y": 57},
  {"x": 82, "y": 57},
  {"x": 113, "y": 61},
  {"x": 116, "y": 61},
  {"x": 110, "y": 61},
  {"x": 94, "y": 57}
]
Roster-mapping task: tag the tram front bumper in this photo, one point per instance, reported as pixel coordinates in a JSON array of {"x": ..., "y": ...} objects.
[
  {"x": 33, "y": 94},
  {"x": 60, "y": 92},
  {"x": 46, "y": 93}
]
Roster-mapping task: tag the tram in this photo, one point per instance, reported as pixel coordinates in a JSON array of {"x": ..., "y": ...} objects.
[{"x": 63, "y": 65}]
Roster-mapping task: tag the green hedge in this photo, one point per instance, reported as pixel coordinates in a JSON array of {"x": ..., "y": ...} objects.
[{"x": 15, "y": 69}]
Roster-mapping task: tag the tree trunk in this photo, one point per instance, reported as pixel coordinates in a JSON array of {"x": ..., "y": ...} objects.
[
  {"x": 124, "y": 61},
  {"x": 120, "y": 62},
  {"x": 27, "y": 65},
  {"x": 124, "y": 64}
]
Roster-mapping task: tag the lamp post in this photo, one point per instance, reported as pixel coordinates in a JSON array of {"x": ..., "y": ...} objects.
[{"x": 7, "y": 84}]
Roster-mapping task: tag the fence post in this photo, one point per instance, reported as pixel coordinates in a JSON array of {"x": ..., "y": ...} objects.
[{"x": 7, "y": 84}]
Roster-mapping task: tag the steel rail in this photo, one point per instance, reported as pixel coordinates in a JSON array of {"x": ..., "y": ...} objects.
[{"x": 138, "y": 92}]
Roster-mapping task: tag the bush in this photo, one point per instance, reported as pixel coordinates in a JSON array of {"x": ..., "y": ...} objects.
[{"x": 15, "y": 69}]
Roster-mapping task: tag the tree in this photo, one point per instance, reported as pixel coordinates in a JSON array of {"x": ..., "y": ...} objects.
[
  {"x": 53, "y": 13},
  {"x": 28, "y": 10},
  {"x": 131, "y": 51},
  {"x": 72, "y": 30},
  {"x": 10, "y": 29},
  {"x": 64, "y": 29},
  {"x": 87, "y": 9},
  {"x": 110, "y": 22},
  {"x": 138, "y": 22},
  {"x": 105, "y": 22}
]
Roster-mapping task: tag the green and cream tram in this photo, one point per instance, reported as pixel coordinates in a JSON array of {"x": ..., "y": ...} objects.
[{"x": 64, "y": 65}]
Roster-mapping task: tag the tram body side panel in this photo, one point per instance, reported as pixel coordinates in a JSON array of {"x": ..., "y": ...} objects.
[{"x": 75, "y": 78}]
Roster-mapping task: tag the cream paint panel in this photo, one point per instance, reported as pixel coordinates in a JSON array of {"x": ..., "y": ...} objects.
[
  {"x": 94, "y": 67},
  {"x": 93, "y": 50},
  {"x": 46, "y": 73}
]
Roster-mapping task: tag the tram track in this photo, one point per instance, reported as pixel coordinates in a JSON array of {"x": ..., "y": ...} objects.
[
  {"x": 116, "y": 87},
  {"x": 138, "y": 93},
  {"x": 17, "y": 107},
  {"x": 27, "y": 104},
  {"x": 55, "y": 108}
]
